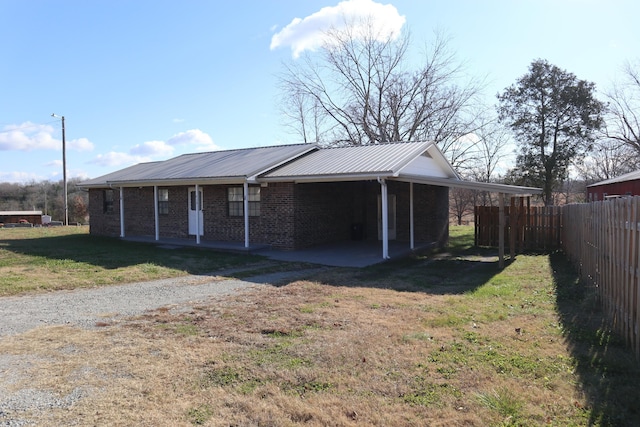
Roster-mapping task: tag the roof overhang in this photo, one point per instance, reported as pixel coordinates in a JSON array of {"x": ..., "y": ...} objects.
[
  {"x": 301, "y": 179},
  {"x": 170, "y": 182},
  {"x": 471, "y": 185}
]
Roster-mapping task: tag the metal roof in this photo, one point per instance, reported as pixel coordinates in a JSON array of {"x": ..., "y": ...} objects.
[
  {"x": 216, "y": 166},
  {"x": 491, "y": 187},
  {"x": 418, "y": 162},
  {"x": 631, "y": 176},
  {"x": 363, "y": 162}
]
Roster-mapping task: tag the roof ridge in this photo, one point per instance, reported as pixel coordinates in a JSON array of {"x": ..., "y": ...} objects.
[
  {"x": 247, "y": 149},
  {"x": 376, "y": 144}
]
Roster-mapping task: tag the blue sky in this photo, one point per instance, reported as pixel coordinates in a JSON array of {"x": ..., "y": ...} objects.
[{"x": 149, "y": 80}]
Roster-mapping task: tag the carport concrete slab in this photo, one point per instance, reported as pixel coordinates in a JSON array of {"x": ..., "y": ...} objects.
[{"x": 346, "y": 253}]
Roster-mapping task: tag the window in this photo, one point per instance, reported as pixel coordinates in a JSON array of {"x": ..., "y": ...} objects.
[
  {"x": 163, "y": 201},
  {"x": 107, "y": 202},
  {"x": 236, "y": 205}
]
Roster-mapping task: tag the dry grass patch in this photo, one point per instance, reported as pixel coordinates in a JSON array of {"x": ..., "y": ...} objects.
[
  {"x": 315, "y": 354},
  {"x": 523, "y": 346}
]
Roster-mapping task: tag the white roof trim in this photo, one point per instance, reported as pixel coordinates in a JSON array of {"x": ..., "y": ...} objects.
[{"x": 472, "y": 185}]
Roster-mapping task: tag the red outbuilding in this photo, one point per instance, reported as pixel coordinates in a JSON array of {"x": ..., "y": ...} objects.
[{"x": 623, "y": 185}]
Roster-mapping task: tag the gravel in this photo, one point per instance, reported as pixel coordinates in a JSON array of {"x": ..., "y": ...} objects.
[{"x": 87, "y": 307}]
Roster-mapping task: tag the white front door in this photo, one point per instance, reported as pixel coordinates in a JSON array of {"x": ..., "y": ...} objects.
[
  {"x": 195, "y": 215},
  {"x": 391, "y": 209}
]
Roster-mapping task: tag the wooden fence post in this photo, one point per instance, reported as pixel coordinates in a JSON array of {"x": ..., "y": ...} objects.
[{"x": 501, "y": 226}]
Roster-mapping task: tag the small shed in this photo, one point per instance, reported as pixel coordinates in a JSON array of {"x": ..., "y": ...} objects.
[
  {"x": 16, "y": 217},
  {"x": 623, "y": 185}
]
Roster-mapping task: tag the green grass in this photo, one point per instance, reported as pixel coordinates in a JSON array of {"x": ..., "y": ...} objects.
[{"x": 42, "y": 259}]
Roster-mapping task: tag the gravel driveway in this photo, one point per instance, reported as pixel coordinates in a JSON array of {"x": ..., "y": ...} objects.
[{"x": 84, "y": 308}]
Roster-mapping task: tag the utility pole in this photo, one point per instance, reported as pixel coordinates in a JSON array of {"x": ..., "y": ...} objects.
[{"x": 64, "y": 171}]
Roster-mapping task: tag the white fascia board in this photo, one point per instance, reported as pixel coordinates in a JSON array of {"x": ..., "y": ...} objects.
[
  {"x": 174, "y": 182},
  {"x": 329, "y": 178},
  {"x": 472, "y": 185},
  {"x": 424, "y": 146},
  {"x": 438, "y": 157}
]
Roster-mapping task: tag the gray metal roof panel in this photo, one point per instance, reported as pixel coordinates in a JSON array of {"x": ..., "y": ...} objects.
[
  {"x": 211, "y": 165},
  {"x": 631, "y": 176},
  {"x": 358, "y": 160}
]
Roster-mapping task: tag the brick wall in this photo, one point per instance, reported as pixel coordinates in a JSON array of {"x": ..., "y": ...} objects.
[
  {"x": 324, "y": 212},
  {"x": 138, "y": 212},
  {"x": 101, "y": 223},
  {"x": 293, "y": 216}
]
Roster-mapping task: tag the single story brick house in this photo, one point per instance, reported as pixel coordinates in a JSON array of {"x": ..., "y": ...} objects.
[{"x": 288, "y": 197}]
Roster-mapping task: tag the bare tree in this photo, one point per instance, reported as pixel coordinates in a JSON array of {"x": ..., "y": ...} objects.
[
  {"x": 359, "y": 89},
  {"x": 623, "y": 114},
  {"x": 461, "y": 203},
  {"x": 491, "y": 149},
  {"x": 610, "y": 158}
]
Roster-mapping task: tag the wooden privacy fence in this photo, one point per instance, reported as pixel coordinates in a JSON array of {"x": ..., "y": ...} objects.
[
  {"x": 526, "y": 227},
  {"x": 602, "y": 239}
]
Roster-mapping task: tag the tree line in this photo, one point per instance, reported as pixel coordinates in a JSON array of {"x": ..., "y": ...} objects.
[
  {"x": 48, "y": 197},
  {"x": 364, "y": 87}
]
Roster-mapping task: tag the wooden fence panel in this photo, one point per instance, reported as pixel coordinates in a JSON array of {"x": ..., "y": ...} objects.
[
  {"x": 528, "y": 228},
  {"x": 602, "y": 239}
]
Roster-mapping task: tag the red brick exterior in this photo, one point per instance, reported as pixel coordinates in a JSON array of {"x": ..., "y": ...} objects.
[{"x": 292, "y": 216}]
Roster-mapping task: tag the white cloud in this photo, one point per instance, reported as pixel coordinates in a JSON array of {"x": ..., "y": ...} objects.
[
  {"x": 31, "y": 136},
  {"x": 28, "y": 137},
  {"x": 201, "y": 140},
  {"x": 152, "y": 148},
  {"x": 19, "y": 177},
  {"x": 114, "y": 158},
  {"x": 80, "y": 144},
  {"x": 308, "y": 33},
  {"x": 56, "y": 163},
  {"x": 191, "y": 140}
]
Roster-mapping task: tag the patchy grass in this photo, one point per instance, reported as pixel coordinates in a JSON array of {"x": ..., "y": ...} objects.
[
  {"x": 400, "y": 344},
  {"x": 46, "y": 259}
]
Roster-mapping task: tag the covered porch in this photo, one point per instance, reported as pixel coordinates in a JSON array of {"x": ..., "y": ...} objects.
[{"x": 355, "y": 253}]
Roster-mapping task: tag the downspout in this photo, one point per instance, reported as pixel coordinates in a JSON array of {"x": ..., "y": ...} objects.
[
  {"x": 197, "y": 214},
  {"x": 411, "y": 229},
  {"x": 245, "y": 201},
  {"x": 385, "y": 218},
  {"x": 122, "y": 212},
  {"x": 155, "y": 211}
]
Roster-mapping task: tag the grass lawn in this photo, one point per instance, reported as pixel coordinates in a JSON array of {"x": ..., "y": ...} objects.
[
  {"x": 46, "y": 259},
  {"x": 439, "y": 339}
]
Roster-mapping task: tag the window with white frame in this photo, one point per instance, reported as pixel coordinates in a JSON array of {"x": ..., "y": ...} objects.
[
  {"x": 163, "y": 201},
  {"x": 236, "y": 201},
  {"x": 107, "y": 202}
]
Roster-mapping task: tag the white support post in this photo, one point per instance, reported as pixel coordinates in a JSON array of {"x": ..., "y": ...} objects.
[
  {"x": 411, "y": 228},
  {"x": 198, "y": 210},
  {"x": 155, "y": 212},
  {"x": 385, "y": 219},
  {"x": 245, "y": 201},
  {"x": 121, "y": 212}
]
